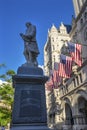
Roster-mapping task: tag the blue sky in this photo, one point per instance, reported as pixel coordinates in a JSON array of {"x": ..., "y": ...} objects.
[{"x": 13, "y": 16}]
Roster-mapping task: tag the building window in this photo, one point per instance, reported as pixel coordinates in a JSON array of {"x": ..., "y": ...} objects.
[
  {"x": 80, "y": 77},
  {"x": 74, "y": 83},
  {"x": 53, "y": 47},
  {"x": 85, "y": 34},
  {"x": 54, "y": 58},
  {"x": 81, "y": 21},
  {"x": 77, "y": 80},
  {"x": 52, "y": 39},
  {"x": 85, "y": 15},
  {"x": 66, "y": 87}
]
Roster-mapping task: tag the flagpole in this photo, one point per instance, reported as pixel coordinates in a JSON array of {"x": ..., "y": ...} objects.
[
  {"x": 75, "y": 42},
  {"x": 79, "y": 43}
]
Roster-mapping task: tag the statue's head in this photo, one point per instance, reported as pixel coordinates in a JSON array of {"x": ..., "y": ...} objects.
[{"x": 28, "y": 24}]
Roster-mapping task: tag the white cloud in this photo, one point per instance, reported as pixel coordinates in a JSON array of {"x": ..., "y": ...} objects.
[
  {"x": 1, "y": 82},
  {"x": 41, "y": 66}
]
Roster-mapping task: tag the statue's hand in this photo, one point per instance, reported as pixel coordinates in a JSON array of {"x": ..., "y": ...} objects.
[{"x": 23, "y": 36}]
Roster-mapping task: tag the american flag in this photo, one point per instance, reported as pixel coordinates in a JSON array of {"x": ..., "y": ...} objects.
[
  {"x": 58, "y": 78},
  {"x": 50, "y": 83},
  {"x": 75, "y": 52},
  {"x": 56, "y": 65},
  {"x": 65, "y": 66},
  {"x": 54, "y": 81}
]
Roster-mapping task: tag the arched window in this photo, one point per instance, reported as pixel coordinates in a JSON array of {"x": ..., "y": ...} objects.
[
  {"x": 69, "y": 118},
  {"x": 82, "y": 105}
]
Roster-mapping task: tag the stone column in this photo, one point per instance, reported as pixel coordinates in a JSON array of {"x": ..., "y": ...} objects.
[{"x": 76, "y": 7}]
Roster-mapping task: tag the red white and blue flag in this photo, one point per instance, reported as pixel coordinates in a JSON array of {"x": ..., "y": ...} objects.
[
  {"x": 54, "y": 80},
  {"x": 58, "y": 78},
  {"x": 65, "y": 66},
  {"x": 56, "y": 65},
  {"x": 75, "y": 52},
  {"x": 50, "y": 83}
]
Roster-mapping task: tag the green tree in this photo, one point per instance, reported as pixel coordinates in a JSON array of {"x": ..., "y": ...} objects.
[{"x": 6, "y": 98}]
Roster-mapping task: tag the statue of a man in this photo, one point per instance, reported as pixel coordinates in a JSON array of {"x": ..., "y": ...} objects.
[{"x": 30, "y": 44}]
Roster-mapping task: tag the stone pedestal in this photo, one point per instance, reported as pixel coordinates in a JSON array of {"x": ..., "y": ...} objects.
[{"x": 29, "y": 110}]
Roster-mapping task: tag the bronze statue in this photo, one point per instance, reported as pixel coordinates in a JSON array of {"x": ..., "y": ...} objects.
[{"x": 30, "y": 44}]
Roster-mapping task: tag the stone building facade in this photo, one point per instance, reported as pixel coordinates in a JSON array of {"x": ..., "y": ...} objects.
[
  {"x": 54, "y": 44},
  {"x": 67, "y": 105}
]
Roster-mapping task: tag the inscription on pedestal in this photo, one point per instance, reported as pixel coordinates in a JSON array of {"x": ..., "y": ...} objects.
[{"x": 30, "y": 103}]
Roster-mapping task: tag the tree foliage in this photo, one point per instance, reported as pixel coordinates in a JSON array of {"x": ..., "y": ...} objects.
[
  {"x": 6, "y": 94},
  {"x": 6, "y": 98}
]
